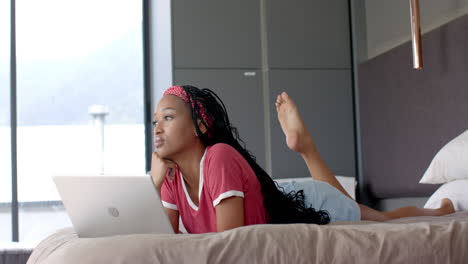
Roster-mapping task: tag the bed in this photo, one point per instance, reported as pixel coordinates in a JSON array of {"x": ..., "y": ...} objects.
[
  {"x": 408, "y": 240},
  {"x": 441, "y": 239}
]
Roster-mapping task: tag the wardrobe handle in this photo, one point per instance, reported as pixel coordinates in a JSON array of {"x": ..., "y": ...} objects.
[{"x": 249, "y": 74}]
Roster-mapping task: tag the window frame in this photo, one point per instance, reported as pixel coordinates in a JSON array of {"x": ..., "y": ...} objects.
[{"x": 147, "y": 112}]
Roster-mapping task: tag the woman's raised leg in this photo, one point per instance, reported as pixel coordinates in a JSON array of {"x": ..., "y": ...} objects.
[{"x": 299, "y": 140}]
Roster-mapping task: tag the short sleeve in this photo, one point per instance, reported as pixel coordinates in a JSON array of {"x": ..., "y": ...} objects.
[
  {"x": 167, "y": 194},
  {"x": 225, "y": 173}
]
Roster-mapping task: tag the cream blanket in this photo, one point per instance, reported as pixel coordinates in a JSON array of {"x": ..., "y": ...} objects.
[{"x": 409, "y": 240}]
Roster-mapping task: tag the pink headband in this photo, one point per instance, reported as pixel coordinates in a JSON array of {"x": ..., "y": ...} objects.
[{"x": 180, "y": 92}]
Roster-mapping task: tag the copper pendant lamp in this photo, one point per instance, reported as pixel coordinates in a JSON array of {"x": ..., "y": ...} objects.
[{"x": 416, "y": 34}]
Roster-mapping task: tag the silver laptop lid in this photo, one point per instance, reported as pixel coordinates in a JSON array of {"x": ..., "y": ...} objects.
[{"x": 106, "y": 205}]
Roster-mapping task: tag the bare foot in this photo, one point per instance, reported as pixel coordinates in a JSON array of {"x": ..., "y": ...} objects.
[
  {"x": 446, "y": 206},
  {"x": 297, "y": 137}
]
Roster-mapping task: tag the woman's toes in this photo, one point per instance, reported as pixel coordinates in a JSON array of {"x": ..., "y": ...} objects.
[{"x": 447, "y": 206}]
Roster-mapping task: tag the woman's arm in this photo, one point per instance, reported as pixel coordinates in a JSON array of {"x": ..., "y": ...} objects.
[
  {"x": 159, "y": 167},
  {"x": 173, "y": 218},
  {"x": 230, "y": 213}
]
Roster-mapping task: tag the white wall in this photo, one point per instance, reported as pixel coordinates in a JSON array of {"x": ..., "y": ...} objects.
[
  {"x": 388, "y": 22},
  {"x": 161, "y": 48}
]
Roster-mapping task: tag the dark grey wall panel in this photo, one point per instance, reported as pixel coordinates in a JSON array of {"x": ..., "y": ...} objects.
[
  {"x": 242, "y": 96},
  {"x": 324, "y": 98},
  {"x": 407, "y": 115},
  {"x": 308, "y": 34},
  {"x": 216, "y": 34}
]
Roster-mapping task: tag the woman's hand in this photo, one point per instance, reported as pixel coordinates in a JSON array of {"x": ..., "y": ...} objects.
[{"x": 159, "y": 168}]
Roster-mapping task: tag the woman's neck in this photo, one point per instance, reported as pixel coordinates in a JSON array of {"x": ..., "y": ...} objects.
[{"x": 189, "y": 165}]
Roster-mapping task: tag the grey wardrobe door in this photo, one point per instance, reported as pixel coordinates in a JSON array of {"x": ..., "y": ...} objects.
[
  {"x": 241, "y": 93},
  {"x": 308, "y": 34},
  {"x": 324, "y": 99},
  {"x": 216, "y": 34}
]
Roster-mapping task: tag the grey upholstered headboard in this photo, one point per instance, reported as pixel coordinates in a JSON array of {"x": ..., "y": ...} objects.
[{"x": 408, "y": 115}]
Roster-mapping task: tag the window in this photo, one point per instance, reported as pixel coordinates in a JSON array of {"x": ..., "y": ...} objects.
[
  {"x": 5, "y": 140},
  {"x": 79, "y": 65}
]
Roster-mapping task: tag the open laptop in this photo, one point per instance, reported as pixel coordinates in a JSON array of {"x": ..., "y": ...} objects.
[{"x": 106, "y": 205}]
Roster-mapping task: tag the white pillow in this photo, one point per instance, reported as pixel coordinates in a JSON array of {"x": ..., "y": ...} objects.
[
  {"x": 457, "y": 191},
  {"x": 450, "y": 163}
]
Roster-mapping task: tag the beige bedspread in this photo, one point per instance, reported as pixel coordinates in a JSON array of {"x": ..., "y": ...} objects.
[{"x": 409, "y": 240}]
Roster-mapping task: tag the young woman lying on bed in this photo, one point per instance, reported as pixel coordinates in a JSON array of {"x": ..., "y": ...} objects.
[{"x": 206, "y": 177}]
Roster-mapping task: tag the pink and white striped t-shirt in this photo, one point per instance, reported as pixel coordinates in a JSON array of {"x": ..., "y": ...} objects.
[{"x": 223, "y": 173}]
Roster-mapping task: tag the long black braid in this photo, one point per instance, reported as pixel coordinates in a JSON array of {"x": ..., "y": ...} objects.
[{"x": 281, "y": 207}]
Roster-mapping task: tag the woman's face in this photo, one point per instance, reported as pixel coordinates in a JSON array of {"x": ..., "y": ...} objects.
[{"x": 174, "y": 131}]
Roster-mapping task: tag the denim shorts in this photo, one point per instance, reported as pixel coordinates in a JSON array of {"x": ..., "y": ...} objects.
[{"x": 322, "y": 196}]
